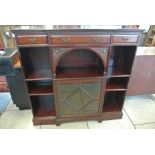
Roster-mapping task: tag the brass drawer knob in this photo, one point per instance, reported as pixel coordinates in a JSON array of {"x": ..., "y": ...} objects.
[
  {"x": 96, "y": 39},
  {"x": 33, "y": 40},
  {"x": 64, "y": 39}
]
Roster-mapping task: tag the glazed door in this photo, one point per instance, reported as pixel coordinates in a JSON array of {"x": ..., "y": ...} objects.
[{"x": 78, "y": 97}]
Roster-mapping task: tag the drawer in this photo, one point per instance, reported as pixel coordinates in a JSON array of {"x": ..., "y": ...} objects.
[
  {"x": 31, "y": 39},
  {"x": 80, "y": 39},
  {"x": 124, "y": 38}
]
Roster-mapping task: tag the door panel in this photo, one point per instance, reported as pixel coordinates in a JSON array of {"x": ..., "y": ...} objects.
[{"x": 78, "y": 98}]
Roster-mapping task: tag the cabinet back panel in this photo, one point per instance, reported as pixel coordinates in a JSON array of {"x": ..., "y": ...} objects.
[
  {"x": 80, "y": 58},
  {"x": 122, "y": 57},
  {"x": 113, "y": 101},
  {"x": 35, "y": 58}
]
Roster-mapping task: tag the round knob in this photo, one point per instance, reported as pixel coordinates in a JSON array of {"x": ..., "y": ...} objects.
[
  {"x": 65, "y": 39},
  {"x": 32, "y": 40},
  {"x": 96, "y": 39}
]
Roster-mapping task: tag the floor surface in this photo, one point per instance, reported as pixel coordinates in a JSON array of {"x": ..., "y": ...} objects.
[
  {"x": 138, "y": 113},
  {"x": 5, "y": 98}
]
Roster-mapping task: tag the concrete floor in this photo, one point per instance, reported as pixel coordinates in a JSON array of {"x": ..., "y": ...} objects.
[{"x": 138, "y": 113}]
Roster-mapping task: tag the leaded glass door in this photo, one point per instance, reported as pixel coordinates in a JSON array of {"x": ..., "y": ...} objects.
[{"x": 78, "y": 97}]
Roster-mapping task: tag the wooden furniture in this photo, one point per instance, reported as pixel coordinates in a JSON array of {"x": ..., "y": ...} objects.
[
  {"x": 73, "y": 75},
  {"x": 142, "y": 79},
  {"x": 150, "y": 39}
]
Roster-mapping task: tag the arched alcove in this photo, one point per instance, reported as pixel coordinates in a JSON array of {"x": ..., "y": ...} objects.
[{"x": 80, "y": 63}]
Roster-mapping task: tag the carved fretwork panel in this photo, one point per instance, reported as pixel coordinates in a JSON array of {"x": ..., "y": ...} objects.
[
  {"x": 57, "y": 53},
  {"x": 103, "y": 52}
]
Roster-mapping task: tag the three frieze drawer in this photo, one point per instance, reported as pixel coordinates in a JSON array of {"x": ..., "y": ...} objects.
[
  {"x": 31, "y": 39},
  {"x": 124, "y": 39},
  {"x": 75, "y": 39},
  {"x": 80, "y": 39}
]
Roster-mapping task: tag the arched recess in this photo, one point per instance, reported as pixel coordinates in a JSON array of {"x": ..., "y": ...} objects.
[{"x": 94, "y": 59}]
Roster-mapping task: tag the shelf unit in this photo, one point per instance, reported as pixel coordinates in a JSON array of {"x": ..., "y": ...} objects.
[
  {"x": 118, "y": 74},
  {"x": 38, "y": 77},
  {"x": 74, "y": 75}
]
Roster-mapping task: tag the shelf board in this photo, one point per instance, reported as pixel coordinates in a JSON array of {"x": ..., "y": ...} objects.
[
  {"x": 41, "y": 90},
  {"x": 114, "y": 72},
  {"x": 79, "y": 72},
  {"x": 43, "y": 112},
  {"x": 39, "y": 74},
  {"x": 115, "y": 86},
  {"x": 44, "y": 109},
  {"x": 111, "y": 106},
  {"x": 43, "y": 106}
]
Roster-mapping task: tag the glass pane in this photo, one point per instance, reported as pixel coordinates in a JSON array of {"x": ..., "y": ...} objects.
[
  {"x": 92, "y": 107},
  {"x": 67, "y": 87},
  {"x": 81, "y": 98},
  {"x": 66, "y": 109},
  {"x": 92, "y": 88}
]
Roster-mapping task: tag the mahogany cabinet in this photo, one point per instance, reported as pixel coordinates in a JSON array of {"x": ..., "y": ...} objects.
[{"x": 73, "y": 75}]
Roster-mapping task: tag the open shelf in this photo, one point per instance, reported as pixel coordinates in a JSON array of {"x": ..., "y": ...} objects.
[
  {"x": 116, "y": 72},
  {"x": 36, "y": 63},
  {"x": 117, "y": 84},
  {"x": 43, "y": 106},
  {"x": 120, "y": 61},
  {"x": 39, "y": 74},
  {"x": 113, "y": 101},
  {"x": 79, "y": 72},
  {"x": 40, "y": 87},
  {"x": 80, "y": 63}
]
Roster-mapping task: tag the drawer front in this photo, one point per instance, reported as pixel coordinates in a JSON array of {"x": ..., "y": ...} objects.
[
  {"x": 32, "y": 39},
  {"x": 80, "y": 39},
  {"x": 124, "y": 38}
]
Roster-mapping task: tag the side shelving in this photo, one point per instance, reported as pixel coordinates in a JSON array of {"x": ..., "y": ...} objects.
[
  {"x": 120, "y": 61},
  {"x": 118, "y": 74},
  {"x": 113, "y": 101},
  {"x": 43, "y": 106},
  {"x": 36, "y": 63},
  {"x": 42, "y": 87},
  {"x": 117, "y": 84},
  {"x": 38, "y": 76}
]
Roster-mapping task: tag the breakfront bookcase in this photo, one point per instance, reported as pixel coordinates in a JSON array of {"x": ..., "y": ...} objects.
[{"x": 74, "y": 75}]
